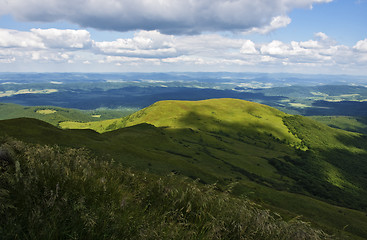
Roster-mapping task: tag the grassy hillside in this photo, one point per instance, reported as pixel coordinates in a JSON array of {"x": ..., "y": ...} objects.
[
  {"x": 353, "y": 124},
  {"x": 253, "y": 123},
  {"x": 55, "y": 115},
  {"x": 223, "y": 116},
  {"x": 55, "y": 193},
  {"x": 290, "y": 164}
]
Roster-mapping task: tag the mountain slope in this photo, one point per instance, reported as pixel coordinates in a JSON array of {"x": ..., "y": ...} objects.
[
  {"x": 288, "y": 162},
  {"x": 198, "y": 155},
  {"x": 226, "y": 116},
  {"x": 55, "y": 115},
  {"x": 54, "y": 193},
  {"x": 353, "y": 124},
  {"x": 302, "y": 144}
]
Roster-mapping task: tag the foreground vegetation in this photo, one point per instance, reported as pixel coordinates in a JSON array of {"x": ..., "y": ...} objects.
[{"x": 56, "y": 193}]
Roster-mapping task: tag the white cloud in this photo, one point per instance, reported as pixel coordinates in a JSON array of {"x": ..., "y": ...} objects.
[
  {"x": 166, "y": 16},
  {"x": 12, "y": 39},
  {"x": 321, "y": 36},
  {"x": 143, "y": 44},
  {"x": 150, "y": 49},
  {"x": 275, "y": 48},
  {"x": 276, "y": 22},
  {"x": 56, "y": 38},
  {"x": 45, "y": 38},
  {"x": 248, "y": 47},
  {"x": 43, "y": 56},
  {"x": 42, "y": 45},
  {"x": 267, "y": 59},
  {"x": 310, "y": 44},
  {"x": 361, "y": 45}
]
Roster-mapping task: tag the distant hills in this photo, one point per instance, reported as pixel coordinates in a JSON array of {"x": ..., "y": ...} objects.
[
  {"x": 288, "y": 163},
  {"x": 55, "y": 115},
  {"x": 308, "y": 95}
]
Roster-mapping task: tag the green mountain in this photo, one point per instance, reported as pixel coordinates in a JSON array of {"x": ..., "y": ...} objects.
[
  {"x": 55, "y": 115},
  {"x": 290, "y": 164}
]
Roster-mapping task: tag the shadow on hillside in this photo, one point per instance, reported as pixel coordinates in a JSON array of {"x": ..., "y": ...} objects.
[
  {"x": 352, "y": 169},
  {"x": 353, "y": 161},
  {"x": 362, "y": 120},
  {"x": 38, "y": 132},
  {"x": 357, "y": 141}
]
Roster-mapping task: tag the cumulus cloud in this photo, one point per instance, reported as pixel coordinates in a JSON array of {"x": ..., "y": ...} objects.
[
  {"x": 152, "y": 48},
  {"x": 276, "y": 48},
  {"x": 168, "y": 16},
  {"x": 143, "y": 44},
  {"x": 56, "y": 38},
  {"x": 361, "y": 45},
  {"x": 45, "y": 38},
  {"x": 276, "y": 22},
  {"x": 321, "y": 36},
  {"x": 45, "y": 56},
  {"x": 310, "y": 44},
  {"x": 321, "y": 51},
  {"x": 12, "y": 39},
  {"x": 42, "y": 45},
  {"x": 248, "y": 47}
]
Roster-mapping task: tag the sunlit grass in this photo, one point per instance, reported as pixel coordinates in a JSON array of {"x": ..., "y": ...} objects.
[
  {"x": 45, "y": 111},
  {"x": 231, "y": 116}
]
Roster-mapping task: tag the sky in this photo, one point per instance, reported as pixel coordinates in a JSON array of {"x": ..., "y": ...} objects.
[{"x": 290, "y": 36}]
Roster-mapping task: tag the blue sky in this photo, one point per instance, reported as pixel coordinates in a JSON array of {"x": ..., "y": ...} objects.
[{"x": 301, "y": 36}]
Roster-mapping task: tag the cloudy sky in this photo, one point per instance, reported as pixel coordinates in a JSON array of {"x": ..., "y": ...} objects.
[{"x": 303, "y": 36}]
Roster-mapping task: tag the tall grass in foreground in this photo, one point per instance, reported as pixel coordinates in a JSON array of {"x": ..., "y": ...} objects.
[{"x": 54, "y": 193}]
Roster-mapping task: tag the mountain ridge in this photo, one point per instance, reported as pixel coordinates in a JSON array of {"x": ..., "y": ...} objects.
[{"x": 268, "y": 163}]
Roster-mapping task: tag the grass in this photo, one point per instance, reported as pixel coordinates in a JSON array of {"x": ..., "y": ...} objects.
[
  {"x": 353, "y": 124},
  {"x": 56, "y": 115},
  {"x": 55, "y": 193},
  {"x": 98, "y": 126},
  {"x": 46, "y": 111},
  {"x": 229, "y": 116},
  {"x": 292, "y": 164}
]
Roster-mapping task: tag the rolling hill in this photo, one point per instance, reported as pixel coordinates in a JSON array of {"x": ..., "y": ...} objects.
[
  {"x": 226, "y": 116},
  {"x": 353, "y": 124},
  {"x": 290, "y": 164},
  {"x": 55, "y": 115}
]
